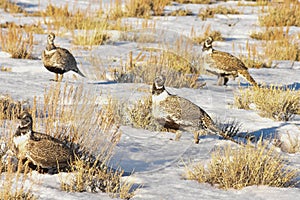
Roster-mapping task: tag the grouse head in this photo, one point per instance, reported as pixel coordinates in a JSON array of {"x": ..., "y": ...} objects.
[
  {"x": 50, "y": 38},
  {"x": 158, "y": 85},
  {"x": 25, "y": 123},
  {"x": 207, "y": 43}
]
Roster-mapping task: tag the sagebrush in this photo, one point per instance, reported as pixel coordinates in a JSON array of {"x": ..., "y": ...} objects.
[
  {"x": 275, "y": 102},
  {"x": 242, "y": 167}
]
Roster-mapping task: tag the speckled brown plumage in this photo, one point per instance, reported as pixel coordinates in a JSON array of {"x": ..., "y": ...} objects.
[
  {"x": 58, "y": 60},
  {"x": 40, "y": 149},
  {"x": 223, "y": 64},
  {"x": 178, "y": 113}
]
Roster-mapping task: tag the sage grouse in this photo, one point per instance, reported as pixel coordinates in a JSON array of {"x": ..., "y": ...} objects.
[
  {"x": 177, "y": 113},
  {"x": 224, "y": 64},
  {"x": 42, "y": 150},
  {"x": 58, "y": 60}
]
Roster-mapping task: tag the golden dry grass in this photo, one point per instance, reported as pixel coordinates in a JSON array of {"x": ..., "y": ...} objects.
[
  {"x": 10, "y": 108},
  {"x": 242, "y": 167},
  {"x": 141, "y": 113},
  {"x": 254, "y": 63},
  {"x": 194, "y": 1},
  {"x": 92, "y": 24},
  {"x": 275, "y": 102},
  {"x": 60, "y": 114},
  {"x": 294, "y": 144},
  {"x": 86, "y": 178},
  {"x": 138, "y": 8},
  {"x": 10, "y": 7},
  {"x": 5, "y": 69},
  {"x": 254, "y": 3},
  {"x": 17, "y": 42},
  {"x": 253, "y": 59},
  {"x": 210, "y": 12},
  {"x": 288, "y": 142},
  {"x": 91, "y": 38},
  {"x": 65, "y": 121},
  {"x": 283, "y": 14},
  {"x": 285, "y": 49},
  {"x": 278, "y": 44},
  {"x": 179, "y": 69},
  {"x": 181, "y": 12},
  {"x": 143, "y": 8},
  {"x": 28, "y": 28},
  {"x": 13, "y": 184},
  {"x": 208, "y": 32},
  {"x": 271, "y": 34}
]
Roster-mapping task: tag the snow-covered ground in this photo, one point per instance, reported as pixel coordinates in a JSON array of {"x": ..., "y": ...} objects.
[{"x": 157, "y": 161}]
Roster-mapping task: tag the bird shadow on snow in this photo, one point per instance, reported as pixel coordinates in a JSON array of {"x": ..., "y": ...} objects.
[
  {"x": 293, "y": 86},
  {"x": 269, "y": 133},
  {"x": 26, "y": 5},
  {"x": 102, "y": 82}
]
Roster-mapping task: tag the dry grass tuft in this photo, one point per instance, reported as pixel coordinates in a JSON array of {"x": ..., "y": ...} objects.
[
  {"x": 13, "y": 184},
  {"x": 64, "y": 106},
  {"x": 253, "y": 59},
  {"x": 71, "y": 114},
  {"x": 140, "y": 115},
  {"x": 10, "y": 7},
  {"x": 275, "y": 102},
  {"x": 92, "y": 25},
  {"x": 88, "y": 177},
  {"x": 278, "y": 45},
  {"x": 16, "y": 42},
  {"x": 10, "y": 108},
  {"x": 199, "y": 39},
  {"x": 139, "y": 8},
  {"x": 254, "y": 63},
  {"x": 5, "y": 69},
  {"x": 283, "y": 14},
  {"x": 181, "y": 12},
  {"x": 91, "y": 38},
  {"x": 242, "y": 167},
  {"x": 145, "y": 8},
  {"x": 285, "y": 49},
  {"x": 210, "y": 12},
  {"x": 194, "y": 1},
  {"x": 28, "y": 28},
  {"x": 288, "y": 142},
  {"x": 144, "y": 68},
  {"x": 96, "y": 135},
  {"x": 254, "y": 3},
  {"x": 294, "y": 144},
  {"x": 270, "y": 34}
]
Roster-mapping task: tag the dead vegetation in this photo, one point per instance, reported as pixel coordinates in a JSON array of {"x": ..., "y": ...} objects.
[
  {"x": 283, "y": 14},
  {"x": 95, "y": 135},
  {"x": 144, "y": 68},
  {"x": 288, "y": 142},
  {"x": 194, "y": 1},
  {"x": 275, "y": 102},
  {"x": 139, "y": 8},
  {"x": 208, "y": 32},
  {"x": 87, "y": 177},
  {"x": 10, "y": 108},
  {"x": 210, "y": 12},
  {"x": 10, "y": 7},
  {"x": 278, "y": 43},
  {"x": 242, "y": 167},
  {"x": 13, "y": 184},
  {"x": 17, "y": 42}
]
